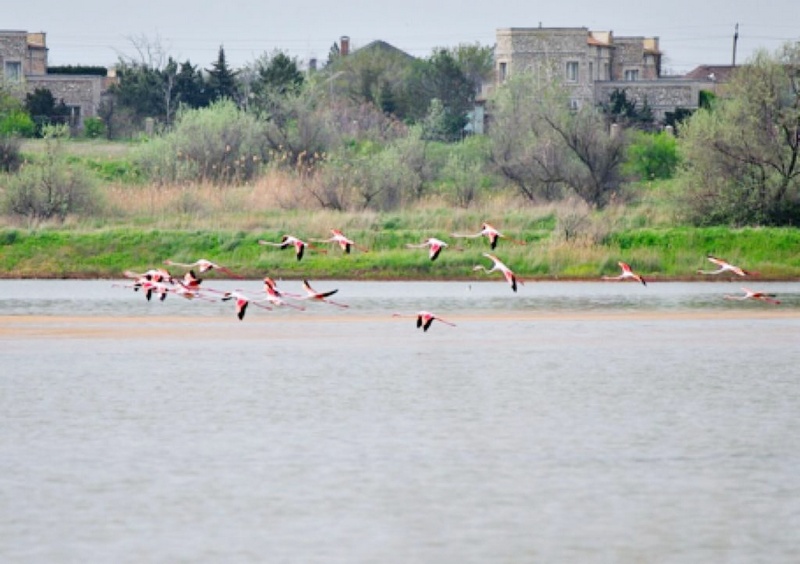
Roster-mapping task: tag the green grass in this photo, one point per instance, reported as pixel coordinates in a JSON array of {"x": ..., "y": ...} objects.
[
  {"x": 144, "y": 224},
  {"x": 668, "y": 253}
]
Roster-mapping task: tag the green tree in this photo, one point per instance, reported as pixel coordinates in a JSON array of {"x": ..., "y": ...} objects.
[
  {"x": 44, "y": 110},
  {"x": 334, "y": 54},
  {"x": 376, "y": 74},
  {"x": 476, "y": 62},
  {"x": 190, "y": 86},
  {"x": 626, "y": 112},
  {"x": 221, "y": 81},
  {"x": 281, "y": 74},
  {"x": 440, "y": 77},
  {"x": 652, "y": 156},
  {"x": 270, "y": 77},
  {"x": 139, "y": 90},
  {"x": 743, "y": 154}
]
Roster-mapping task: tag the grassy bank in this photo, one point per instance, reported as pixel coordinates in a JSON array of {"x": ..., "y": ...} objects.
[
  {"x": 664, "y": 253},
  {"x": 141, "y": 223}
]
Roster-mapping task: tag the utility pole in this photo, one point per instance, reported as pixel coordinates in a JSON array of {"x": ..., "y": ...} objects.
[{"x": 735, "y": 40}]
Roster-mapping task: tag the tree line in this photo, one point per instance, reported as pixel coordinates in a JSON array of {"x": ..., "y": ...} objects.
[{"x": 378, "y": 129}]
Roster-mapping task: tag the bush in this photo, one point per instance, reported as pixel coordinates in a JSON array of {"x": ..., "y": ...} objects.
[
  {"x": 94, "y": 127},
  {"x": 49, "y": 188},
  {"x": 652, "y": 156},
  {"x": 45, "y": 192},
  {"x": 17, "y": 122},
  {"x": 219, "y": 144},
  {"x": 10, "y": 156}
]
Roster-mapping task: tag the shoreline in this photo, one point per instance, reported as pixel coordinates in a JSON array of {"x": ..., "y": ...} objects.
[{"x": 526, "y": 280}]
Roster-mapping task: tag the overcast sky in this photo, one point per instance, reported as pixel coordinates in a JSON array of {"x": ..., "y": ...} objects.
[{"x": 97, "y": 32}]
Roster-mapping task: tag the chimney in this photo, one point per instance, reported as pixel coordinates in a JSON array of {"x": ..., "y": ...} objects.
[{"x": 344, "y": 46}]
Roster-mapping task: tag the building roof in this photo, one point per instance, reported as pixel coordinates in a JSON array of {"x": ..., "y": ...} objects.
[
  {"x": 379, "y": 45},
  {"x": 716, "y": 73}
]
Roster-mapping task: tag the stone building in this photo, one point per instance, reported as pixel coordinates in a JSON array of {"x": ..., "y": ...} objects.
[
  {"x": 594, "y": 64},
  {"x": 23, "y": 61}
]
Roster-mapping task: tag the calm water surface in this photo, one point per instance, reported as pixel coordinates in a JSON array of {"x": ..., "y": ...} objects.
[{"x": 570, "y": 422}]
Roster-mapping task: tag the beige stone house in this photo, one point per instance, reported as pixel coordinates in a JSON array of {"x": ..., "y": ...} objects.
[
  {"x": 594, "y": 64},
  {"x": 23, "y": 61}
]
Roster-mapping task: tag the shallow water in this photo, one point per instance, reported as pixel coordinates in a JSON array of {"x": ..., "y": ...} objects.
[{"x": 570, "y": 422}]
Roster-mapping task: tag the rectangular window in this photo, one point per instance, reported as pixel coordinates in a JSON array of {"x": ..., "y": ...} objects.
[
  {"x": 13, "y": 71},
  {"x": 502, "y": 72},
  {"x": 591, "y": 71},
  {"x": 572, "y": 71},
  {"x": 632, "y": 75},
  {"x": 74, "y": 115}
]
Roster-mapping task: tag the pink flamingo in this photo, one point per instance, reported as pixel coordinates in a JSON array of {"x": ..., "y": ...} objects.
[
  {"x": 152, "y": 281},
  {"x": 189, "y": 287},
  {"x": 344, "y": 243},
  {"x": 151, "y": 288},
  {"x": 275, "y": 296},
  {"x": 724, "y": 266},
  {"x": 312, "y": 294},
  {"x": 152, "y": 275},
  {"x": 290, "y": 240},
  {"x": 435, "y": 246},
  {"x": 425, "y": 319},
  {"x": 242, "y": 302},
  {"x": 203, "y": 266},
  {"x": 490, "y": 233},
  {"x": 509, "y": 275},
  {"x": 626, "y": 273},
  {"x": 755, "y": 295},
  {"x": 190, "y": 281}
]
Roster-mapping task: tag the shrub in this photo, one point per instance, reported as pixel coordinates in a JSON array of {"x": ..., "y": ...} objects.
[
  {"x": 17, "y": 122},
  {"x": 652, "y": 156},
  {"x": 10, "y": 156},
  {"x": 94, "y": 127},
  {"x": 49, "y": 188},
  {"x": 219, "y": 144},
  {"x": 48, "y": 191}
]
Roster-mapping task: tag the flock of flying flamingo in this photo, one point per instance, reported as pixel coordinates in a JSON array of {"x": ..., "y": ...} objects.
[{"x": 159, "y": 282}]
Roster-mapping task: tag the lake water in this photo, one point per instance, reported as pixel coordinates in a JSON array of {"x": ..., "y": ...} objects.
[{"x": 570, "y": 422}]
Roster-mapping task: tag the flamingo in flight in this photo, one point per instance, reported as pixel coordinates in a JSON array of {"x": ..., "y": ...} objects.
[
  {"x": 190, "y": 281},
  {"x": 203, "y": 266},
  {"x": 509, "y": 275},
  {"x": 755, "y": 295},
  {"x": 434, "y": 245},
  {"x": 152, "y": 275},
  {"x": 149, "y": 288},
  {"x": 242, "y": 302},
  {"x": 627, "y": 272},
  {"x": 312, "y": 294},
  {"x": 425, "y": 319},
  {"x": 724, "y": 266},
  {"x": 153, "y": 280},
  {"x": 275, "y": 296},
  {"x": 188, "y": 293},
  {"x": 344, "y": 243},
  {"x": 490, "y": 233},
  {"x": 292, "y": 241}
]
